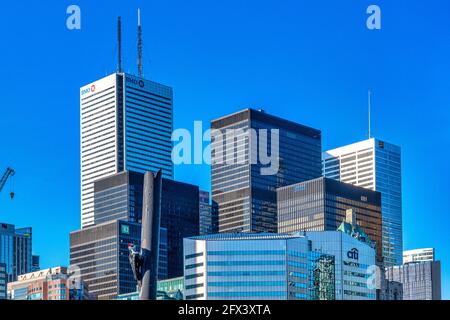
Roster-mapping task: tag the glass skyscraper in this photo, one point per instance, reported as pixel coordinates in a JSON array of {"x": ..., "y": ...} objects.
[
  {"x": 120, "y": 197},
  {"x": 3, "y": 281},
  {"x": 321, "y": 205},
  {"x": 375, "y": 165},
  {"x": 353, "y": 259},
  {"x": 207, "y": 225},
  {"x": 16, "y": 250},
  {"x": 242, "y": 196},
  {"x": 100, "y": 253},
  {"x": 421, "y": 280},
  {"x": 418, "y": 255},
  {"x": 126, "y": 124}
]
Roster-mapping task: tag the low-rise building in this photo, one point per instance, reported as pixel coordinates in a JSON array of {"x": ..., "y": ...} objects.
[
  {"x": 168, "y": 289},
  {"x": 49, "y": 284}
]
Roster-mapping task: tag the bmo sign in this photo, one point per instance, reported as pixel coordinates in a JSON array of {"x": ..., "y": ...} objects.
[
  {"x": 136, "y": 82},
  {"x": 90, "y": 89}
]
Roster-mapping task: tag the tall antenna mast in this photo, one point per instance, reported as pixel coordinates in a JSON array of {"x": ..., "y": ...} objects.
[
  {"x": 140, "y": 68},
  {"x": 119, "y": 45},
  {"x": 369, "y": 114}
]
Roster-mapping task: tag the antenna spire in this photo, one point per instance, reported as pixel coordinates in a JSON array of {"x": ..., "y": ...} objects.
[
  {"x": 140, "y": 68},
  {"x": 369, "y": 113},
  {"x": 119, "y": 45}
]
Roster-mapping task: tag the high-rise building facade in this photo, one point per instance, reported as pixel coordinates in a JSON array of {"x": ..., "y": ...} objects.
[
  {"x": 256, "y": 266},
  {"x": 418, "y": 255},
  {"x": 321, "y": 205},
  {"x": 118, "y": 206},
  {"x": 3, "y": 281},
  {"x": 243, "y": 190},
  {"x": 375, "y": 165},
  {"x": 421, "y": 280},
  {"x": 100, "y": 253},
  {"x": 353, "y": 259},
  {"x": 35, "y": 264},
  {"x": 120, "y": 197},
  {"x": 15, "y": 250},
  {"x": 49, "y": 284},
  {"x": 126, "y": 124},
  {"x": 206, "y": 219},
  {"x": 180, "y": 216}
]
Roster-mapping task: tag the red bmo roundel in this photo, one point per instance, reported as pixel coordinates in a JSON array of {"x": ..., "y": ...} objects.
[{"x": 93, "y": 88}]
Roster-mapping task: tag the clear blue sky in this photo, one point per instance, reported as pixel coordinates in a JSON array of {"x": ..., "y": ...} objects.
[{"x": 309, "y": 61}]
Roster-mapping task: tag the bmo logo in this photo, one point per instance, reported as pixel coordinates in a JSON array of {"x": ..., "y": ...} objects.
[
  {"x": 88, "y": 90},
  {"x": 136, "y": 82}
]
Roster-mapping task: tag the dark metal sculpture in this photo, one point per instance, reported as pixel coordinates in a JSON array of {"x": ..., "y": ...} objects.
[{"x": 145, "y": 262}]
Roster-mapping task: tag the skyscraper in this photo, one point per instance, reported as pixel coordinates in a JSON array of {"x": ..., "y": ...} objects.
[
  {"x": 418, "y": 255},
  {"x": 100, "y": 253},
  {"x": 375, "y": 165},
  {"x": 180, "y": 216},
  {"x": 118, "y": 196},
  {"x": 3, "y": 281},
  {"x": 117, "y": 216},
  {"x": 322, "y": 204},
  {"x": 15, "y": 250},
  {"x": 206, "y": 219},
  {"x": 352, "y": 259},
  {"x": 126, "y": 124},
  {"x": 421, "y": 280},
  {"x": 243, "y": 194}
]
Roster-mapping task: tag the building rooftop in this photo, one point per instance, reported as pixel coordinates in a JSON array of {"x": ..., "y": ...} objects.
[{"x": 247, "y": 236}]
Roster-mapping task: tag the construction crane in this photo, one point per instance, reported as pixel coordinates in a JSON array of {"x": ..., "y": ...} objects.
[{"x": 8, "y": 174}]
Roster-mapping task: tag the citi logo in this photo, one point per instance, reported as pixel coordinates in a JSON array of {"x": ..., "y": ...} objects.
[
  {"x": 87, "y": 90},
  {"x": 353, "y": 254},
  {"x": 136, "y": 82}
]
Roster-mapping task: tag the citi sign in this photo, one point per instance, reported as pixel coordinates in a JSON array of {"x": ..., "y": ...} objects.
[
  {"x": 136, "y": 82},
  {"x": 87, "y": 90},
  {"x": 353, "y": 254}
]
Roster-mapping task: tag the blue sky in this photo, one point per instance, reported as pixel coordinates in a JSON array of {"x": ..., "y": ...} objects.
[{"x": 308, "y": 61}]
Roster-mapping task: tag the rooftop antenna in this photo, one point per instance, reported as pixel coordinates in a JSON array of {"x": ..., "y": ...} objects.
[
  {"x": 119, "y": 44},
  {"x": 369, "y": 114},
  {"x": 140, "y": 71}
]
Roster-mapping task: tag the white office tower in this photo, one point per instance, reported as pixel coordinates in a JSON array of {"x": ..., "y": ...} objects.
[
  {"x": 418, "y": 255},
  {"x": 126, "y": 124},
  {"x": 375, "y": 165}
]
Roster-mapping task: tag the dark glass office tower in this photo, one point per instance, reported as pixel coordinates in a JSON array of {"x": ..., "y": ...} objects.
[
  {"x": 120, "y": 197},
  {"x": 206, "y": 218},
  {"x": 180, "y": 216},
  {"x": 321, "y": 205},
  {"x": 244, "y": 196},
  {"x": 3, "y": 281},
  {"x": 15, "y": 250},
  {"x": 100, "y": 253}
]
